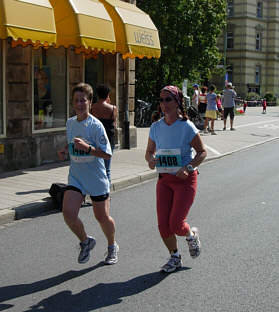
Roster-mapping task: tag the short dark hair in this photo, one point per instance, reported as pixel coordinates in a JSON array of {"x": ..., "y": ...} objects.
[
  {"x": 102, "y": 91},
  {"x": 212, "y": 87},
  {"x": 83, "y": 87}
]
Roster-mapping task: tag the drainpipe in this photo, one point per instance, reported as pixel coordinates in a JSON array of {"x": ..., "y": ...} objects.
[{"x": 126, "y": 105}]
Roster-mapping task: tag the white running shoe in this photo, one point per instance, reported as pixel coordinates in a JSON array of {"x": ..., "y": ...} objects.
[
  {"x": 194, "y": 244},
  {"x": 85, "y": 249},
  {"x": 173, "y": 264},
  {"x": 111, "y": 254}
]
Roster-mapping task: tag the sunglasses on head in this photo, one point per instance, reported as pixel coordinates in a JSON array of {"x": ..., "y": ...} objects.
[{"x": 166, "y": 99}]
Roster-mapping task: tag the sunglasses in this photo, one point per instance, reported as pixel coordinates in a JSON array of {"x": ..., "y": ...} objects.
[{"x": 167, "y": 99}]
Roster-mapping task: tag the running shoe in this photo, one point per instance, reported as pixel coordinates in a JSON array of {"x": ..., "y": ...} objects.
[
  {"x": 173, "y": 264},
  {"x": 232, "y": 129},
  {"x": 194, "y": 244},
  {"x": 85, "y": 248},
  {"x": 213, "y": 133},
  {"x": 111, "y": 254}
]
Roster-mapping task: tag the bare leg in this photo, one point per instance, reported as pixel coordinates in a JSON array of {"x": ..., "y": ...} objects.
[
  {"x": 101, "y": 212},
  {"x": 231, "y": 123},
  {"x": 212, "y": 124},
  {"x": 71, "y": 205},
  {"x": 205, "y": 124},
  {"x": 171, "y": 243}
]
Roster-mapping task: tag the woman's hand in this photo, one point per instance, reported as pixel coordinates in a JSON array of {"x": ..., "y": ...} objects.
[
  {"x": 81, "y": 145},
  {"x": 62, "y": 154},
  {"x": 152, "y": 162},
  {"x": 182, "y": 173}
]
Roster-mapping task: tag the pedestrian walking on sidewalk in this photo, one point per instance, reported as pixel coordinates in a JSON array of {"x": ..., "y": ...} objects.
[
  {"x": 228, "y": 103},
  {"x": 88, "y": 146},
  {"x": 107, "y": 114},
  {"x": 211, "y": 110},
  {"x": 170, "y": 147}
]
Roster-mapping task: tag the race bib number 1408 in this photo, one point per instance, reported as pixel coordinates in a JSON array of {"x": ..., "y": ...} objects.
[{"x": 168, "y": 160}]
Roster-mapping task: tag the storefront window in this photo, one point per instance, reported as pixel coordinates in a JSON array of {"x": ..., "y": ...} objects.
[
  {"x": 94, "y": 72},
  {"x": 50, "y": 88},
  {"x": 1, "y": 89}
]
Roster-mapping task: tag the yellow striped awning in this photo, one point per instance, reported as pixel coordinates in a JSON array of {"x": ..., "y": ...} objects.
[
  {"x": 27, "y": 22},
  {"x": 84, "y": 24},
  {"x": 135, "y": 33}
]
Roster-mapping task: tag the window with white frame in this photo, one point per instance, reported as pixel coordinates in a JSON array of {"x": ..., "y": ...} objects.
[
  {"x": 258, "y": 41},
  {"x": 258, "y": 75},
  {"x": 229, "y": 40},
  {"x": 1, "y": 89},
  {"x": 230, "y": 8},
  {"x": 50, "y": 88},
  {"x": 259, "y": 9}
]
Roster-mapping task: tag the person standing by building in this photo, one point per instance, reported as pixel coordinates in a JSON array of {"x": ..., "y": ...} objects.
[
  {"x": 107, "y": 114},
  {"x": 202, "y": 102},
  {"x": 195, "y": 97},
  {"x": 170, "y": 147},
  {"x": 211, "y": 110},
  {"x": 228, "y": 103},
  {"x": 88, "y": 146}
]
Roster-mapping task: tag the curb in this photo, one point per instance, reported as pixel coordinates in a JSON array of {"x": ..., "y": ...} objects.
[{"x": 33, "y": 209}]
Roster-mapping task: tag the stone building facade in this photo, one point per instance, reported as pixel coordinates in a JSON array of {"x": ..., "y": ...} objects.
[
  {"x": 29, "y": 135},
  {"x": 250, "y": 45}
]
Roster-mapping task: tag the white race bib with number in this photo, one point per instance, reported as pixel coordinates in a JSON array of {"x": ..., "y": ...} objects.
[
  {"x": 168, "y": 160},
  {"x": 78, "y": 155}
]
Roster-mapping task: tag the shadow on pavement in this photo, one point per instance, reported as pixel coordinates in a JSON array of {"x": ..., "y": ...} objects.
[{"x": 100, "y": 295}]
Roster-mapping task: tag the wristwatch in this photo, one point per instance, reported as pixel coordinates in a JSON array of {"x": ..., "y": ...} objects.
[{"x": 190, "y": 168}]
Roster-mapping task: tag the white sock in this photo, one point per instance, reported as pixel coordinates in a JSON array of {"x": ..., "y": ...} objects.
[
  {"x": 190, "y": 235},
  {"x": 176, "y": 254}
]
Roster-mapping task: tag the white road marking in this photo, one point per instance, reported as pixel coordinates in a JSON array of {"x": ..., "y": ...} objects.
[
  {"x": 212, "y": 150},
  {"x": 257, "y": 123},
  {"x": 271, "y": 126}
]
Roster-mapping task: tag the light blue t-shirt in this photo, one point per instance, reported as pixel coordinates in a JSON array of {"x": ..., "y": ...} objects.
[
  {"x": 173, "y": 143},
  {"x": 211, "y": 101},
  {"x": 87, "y": 172}
]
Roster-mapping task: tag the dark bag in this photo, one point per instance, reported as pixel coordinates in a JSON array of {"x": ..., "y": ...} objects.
[{"x": 56, "y": 192}]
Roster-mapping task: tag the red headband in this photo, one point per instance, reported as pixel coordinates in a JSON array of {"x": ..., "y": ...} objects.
[{"x": 174, "y": 92}]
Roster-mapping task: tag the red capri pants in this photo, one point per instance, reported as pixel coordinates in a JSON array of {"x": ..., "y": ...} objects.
[{"x": 174, "y": 199}]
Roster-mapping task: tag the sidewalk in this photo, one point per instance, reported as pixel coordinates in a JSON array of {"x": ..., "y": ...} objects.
[{"x": 24, "y": 193}]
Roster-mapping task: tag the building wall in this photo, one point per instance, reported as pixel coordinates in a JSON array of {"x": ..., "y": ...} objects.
[{"x": 244, "y": 57}]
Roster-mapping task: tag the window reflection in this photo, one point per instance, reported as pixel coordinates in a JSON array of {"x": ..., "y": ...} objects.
[{"x": 50, "y": 88}]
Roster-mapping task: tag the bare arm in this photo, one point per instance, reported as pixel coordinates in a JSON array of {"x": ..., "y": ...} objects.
[
  {"x": 150, "y": 154},
  {"x": 62, "y": 154},
  {"x": 201, "y": 154}
]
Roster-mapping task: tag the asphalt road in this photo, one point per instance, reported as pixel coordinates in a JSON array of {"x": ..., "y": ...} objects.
[{"x": 236, "y": 210}]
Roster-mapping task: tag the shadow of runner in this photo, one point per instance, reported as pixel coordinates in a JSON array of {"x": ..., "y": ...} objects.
[
  {"x": 100, "y": 295},
  {"x": 15, "y": 291}
]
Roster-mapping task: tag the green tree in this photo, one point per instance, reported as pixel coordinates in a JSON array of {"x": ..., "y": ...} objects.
[{"x": 188, "y": 31}]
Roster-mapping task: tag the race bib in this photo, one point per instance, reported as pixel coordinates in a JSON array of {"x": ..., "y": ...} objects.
[
  {"x": 79, "y": 155},
  {"x": 168, "y": 160}
]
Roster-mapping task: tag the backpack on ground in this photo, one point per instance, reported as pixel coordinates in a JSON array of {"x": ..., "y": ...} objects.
[{"x": 56, "y": 192}]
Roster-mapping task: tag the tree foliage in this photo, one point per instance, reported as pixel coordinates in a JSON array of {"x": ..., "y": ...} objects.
[{"x": 188, "y": 31}]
